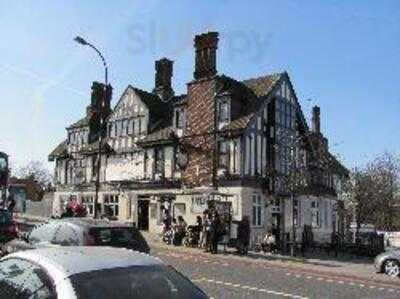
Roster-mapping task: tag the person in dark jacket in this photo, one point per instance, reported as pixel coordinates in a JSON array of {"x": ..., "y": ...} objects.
[
  {"x": 243, "y": 235},
  {"x": 215, "y": 232}
]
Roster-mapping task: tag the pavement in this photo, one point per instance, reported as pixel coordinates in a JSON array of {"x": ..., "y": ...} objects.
[{"x": 273, "y": 276}]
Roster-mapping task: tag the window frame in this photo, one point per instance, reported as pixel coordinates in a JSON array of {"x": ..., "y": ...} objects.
[
  {"x": 257, "y": 210},
  {"x": 223, "y": 153}
]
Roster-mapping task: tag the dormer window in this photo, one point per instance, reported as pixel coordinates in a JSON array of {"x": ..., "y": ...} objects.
[
  {"x": 179, "y": 118},
  {"x": 223, "y": 110}
]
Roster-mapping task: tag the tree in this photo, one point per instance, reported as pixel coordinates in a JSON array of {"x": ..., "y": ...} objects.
[
  {"x": 36, "y": 171},
  {"x": 371, "y": 193}
]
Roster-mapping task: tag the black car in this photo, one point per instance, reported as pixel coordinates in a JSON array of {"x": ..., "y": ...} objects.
[{"x": 80, "y": 232}]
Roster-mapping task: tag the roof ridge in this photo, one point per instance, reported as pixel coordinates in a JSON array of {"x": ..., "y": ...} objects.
[{"x": 277, "y": 74}]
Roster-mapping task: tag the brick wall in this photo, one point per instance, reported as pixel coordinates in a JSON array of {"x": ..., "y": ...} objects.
[{"x": 200, "y": 121}]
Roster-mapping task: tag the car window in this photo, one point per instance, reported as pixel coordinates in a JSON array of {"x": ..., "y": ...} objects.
[
  {"x": 126, "y": 237},
  {"x": 66, "y": 235},
  {"x": 150, "y": 282},
  {"x": 24, "y": 280},
  {"x": 43, "y": 233}
]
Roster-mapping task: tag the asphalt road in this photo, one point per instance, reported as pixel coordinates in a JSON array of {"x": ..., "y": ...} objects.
[{"x": 239, "y": 278}]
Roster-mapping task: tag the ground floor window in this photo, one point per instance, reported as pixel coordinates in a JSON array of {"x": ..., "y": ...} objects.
[
  {"x": 257, "y": 210},
  {"x": 315, "y": 214},
  {"x": 296, "y": 212},
  {"x": 88, "y": 201},
  {"x": 111, "y": 205}
]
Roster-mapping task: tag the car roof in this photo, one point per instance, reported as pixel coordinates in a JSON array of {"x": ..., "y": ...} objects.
[
  {"x": 62, "y": 262},
  {"x": 89, "y": 222}
]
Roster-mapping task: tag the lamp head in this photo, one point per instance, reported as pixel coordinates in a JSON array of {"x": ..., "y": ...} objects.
[{"x": 81, "y": 40}]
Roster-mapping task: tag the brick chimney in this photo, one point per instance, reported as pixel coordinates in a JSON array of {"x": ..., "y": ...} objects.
[
  {"x": 100, "y": 107},
  {"x": 316, "y": 121},
  {"x": 206, "y": 46},
  {"x": 163, "y": 85}
]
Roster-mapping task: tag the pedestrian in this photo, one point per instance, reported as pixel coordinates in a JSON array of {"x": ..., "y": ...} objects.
[
  {"x": 203, "y": 230},
  {"x": 198, "y": 230},
  {"x": 68, "y": 212},
  {"x": 166, "y": 220},
  {"x": 215, "y": 232},
  {"x": 207, "y": 232},
  {"x": 243, "y": 235}
]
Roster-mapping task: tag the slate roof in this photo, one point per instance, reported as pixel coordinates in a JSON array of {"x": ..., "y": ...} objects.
[
  {"x": 179, "y": 100},
  {"x": 239, "y": 123},
  {"x": 80, "y": 123},
  {"x": 59, "y": 151},
  {"x": 153, "y": 102},
  {"x": 262, "y": 86}
]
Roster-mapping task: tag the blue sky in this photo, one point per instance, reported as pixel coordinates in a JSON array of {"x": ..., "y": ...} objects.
[{"x": 343, "y": 55}]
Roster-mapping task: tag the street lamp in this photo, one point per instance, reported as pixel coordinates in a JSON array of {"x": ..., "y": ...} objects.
[{"x": 83, "y": 42}]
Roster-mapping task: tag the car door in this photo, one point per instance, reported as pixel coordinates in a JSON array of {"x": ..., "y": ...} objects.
[{"x": 22, "y": 279}]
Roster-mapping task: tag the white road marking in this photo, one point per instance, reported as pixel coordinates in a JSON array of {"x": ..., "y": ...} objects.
[
  {"x": 227, "y": 283},
  {"x": 255, "y": 289}
]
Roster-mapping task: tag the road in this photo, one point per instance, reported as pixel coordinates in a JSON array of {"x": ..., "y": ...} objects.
[{"x": 241, "y": 278}]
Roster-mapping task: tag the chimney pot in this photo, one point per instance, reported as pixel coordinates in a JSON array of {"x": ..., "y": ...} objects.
[
  {"x": 206, "y": 46},
  {"x": 316, "y": 120},
  {"x": 163, "y": 78}
]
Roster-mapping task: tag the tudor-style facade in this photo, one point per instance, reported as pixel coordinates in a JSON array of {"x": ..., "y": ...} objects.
[{"x": 237, "y": 141}]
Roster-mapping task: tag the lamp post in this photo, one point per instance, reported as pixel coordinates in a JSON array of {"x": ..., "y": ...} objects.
[{"x": 83, "y": 42}]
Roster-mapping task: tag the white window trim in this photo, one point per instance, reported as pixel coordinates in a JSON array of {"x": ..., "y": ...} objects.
[{"x": 257, "y": 202}]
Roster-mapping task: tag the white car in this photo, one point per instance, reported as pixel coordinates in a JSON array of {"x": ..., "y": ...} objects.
[{"x": 91, "y": 272}]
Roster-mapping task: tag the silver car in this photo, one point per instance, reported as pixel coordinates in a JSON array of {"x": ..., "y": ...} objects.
[
  {"x": 388, "y": 262},
  {"x": 90, "y": 272}
]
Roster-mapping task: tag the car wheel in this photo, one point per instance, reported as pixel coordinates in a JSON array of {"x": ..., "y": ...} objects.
[{"x": 392, "y": 268}]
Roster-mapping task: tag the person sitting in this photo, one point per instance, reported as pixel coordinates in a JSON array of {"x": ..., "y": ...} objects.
[{"x": 269, "y": 242}]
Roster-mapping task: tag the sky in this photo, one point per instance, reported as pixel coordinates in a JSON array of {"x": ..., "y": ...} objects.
[{"x": 341, "y": 55}]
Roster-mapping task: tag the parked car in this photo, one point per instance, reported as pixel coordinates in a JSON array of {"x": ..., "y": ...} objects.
[
  {"x": 388, "y": 262},
  {"x": 8, "y": 228},
  {"x": 79, "y": 232},
  {"x": 91, "y": 273}
]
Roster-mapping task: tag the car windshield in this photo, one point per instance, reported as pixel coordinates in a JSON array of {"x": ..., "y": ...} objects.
[{"x": 151, "y": 282}]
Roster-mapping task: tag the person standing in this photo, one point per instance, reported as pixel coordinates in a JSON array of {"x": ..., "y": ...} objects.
[
  {"x": 244, "y": 235},
  {"x": 207, "y": 232},
  {"x": 215, "y": 229}
]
